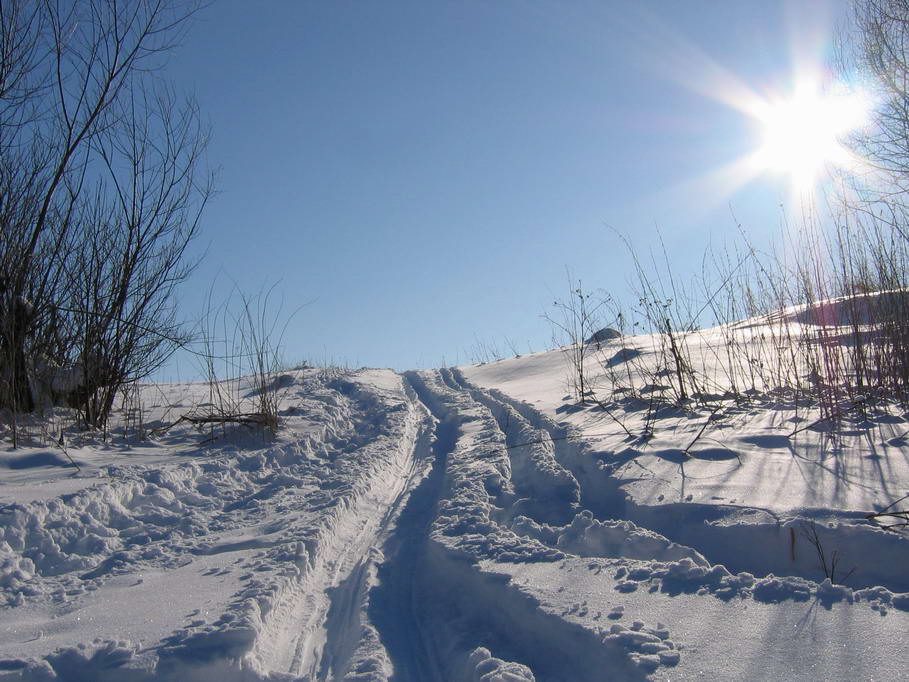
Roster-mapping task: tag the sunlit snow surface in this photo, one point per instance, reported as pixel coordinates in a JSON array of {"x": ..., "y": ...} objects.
[{"x": 463, "y": 524}]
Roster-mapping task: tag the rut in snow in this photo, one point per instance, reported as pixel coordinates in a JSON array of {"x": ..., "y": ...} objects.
[
  {"x": 741, "y": 539},
  {"x": 490, "y": 479},
  {"x": 315, "y": 625},
  {"x": 397, "y": 605},
  {"x": 434, "y": 607}
]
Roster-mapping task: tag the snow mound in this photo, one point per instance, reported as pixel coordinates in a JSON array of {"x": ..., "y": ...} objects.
[{"x": 860, "y": 309}]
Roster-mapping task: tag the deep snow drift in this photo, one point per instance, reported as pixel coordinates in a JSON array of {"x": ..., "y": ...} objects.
[{"x": 460, "y": 524}]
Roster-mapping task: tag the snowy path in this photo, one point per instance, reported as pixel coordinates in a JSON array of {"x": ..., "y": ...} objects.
[
  {"x": 398, "y": 605},
  {"x": 319, "y": 622},
  {"x": 420, "y": 527},
  {"x": 275, "y": 544},
  {"x": 518, "y": 568}
]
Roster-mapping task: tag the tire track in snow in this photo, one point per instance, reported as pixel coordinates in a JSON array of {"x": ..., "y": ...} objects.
[
  {"x": 396, "y": 608},
  {"x": 454, "y": 608},
  {"x": 739, "y": 538},
  {"x": 599, "y": 492},
  {"x": 316, "y": 623},
  {"x": 342, "y": 624},
  {"x": 549, "y": 492}
]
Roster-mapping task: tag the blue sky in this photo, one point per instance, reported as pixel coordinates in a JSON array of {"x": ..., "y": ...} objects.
[{"x": 420, "y": 174}]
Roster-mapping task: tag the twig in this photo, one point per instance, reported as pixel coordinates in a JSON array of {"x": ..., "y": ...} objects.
[
  {"x": 902, "y": 515},
  {"x": 703, "y": 428},
  {"x": 60, "y": 444},
  {"x": 809, "y": 530},
  {"x": 599, "y": 403},
  {"x": 834, "y": 415},
  {"x": 248, "y": 418}
]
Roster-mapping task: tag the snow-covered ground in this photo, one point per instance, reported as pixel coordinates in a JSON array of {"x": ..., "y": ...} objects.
[{"x": 470, "y": 524}]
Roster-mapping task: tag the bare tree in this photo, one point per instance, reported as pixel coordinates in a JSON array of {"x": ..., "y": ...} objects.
[
  {"x": 879, "y": 49},
  {"x": 101, "y": 187},
  {"x": 134, "y": 247}
]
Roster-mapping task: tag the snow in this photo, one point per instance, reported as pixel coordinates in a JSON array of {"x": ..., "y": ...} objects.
[{"x": 469, "y": 523}]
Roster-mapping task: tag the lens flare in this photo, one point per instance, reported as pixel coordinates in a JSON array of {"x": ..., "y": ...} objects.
[
  {"x": 804, "y": 134},
  {"x": 800, "y": 117}
]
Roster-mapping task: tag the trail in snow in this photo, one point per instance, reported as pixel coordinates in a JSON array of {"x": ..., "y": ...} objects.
[
  {"x": 476, "y": 611},
  {"x": 334, "y": 594},
  {"x": 274, "y": 545},
  {"x": 549, "y": 483},
  {"x": 399, "y": 604},
  {"x": 421, "y": 527}
]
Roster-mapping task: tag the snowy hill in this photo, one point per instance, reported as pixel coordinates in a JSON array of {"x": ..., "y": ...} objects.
[{"x": 471, "y": 523}]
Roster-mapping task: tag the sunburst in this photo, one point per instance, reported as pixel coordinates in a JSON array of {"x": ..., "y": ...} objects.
[{"x": 802, "y": 136}]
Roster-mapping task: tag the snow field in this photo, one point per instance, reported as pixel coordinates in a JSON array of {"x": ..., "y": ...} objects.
[
  {"x": 287, "y": 522},
  {"x": 466, "y": 524}
]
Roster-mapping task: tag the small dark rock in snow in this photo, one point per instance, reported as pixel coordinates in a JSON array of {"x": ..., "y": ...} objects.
[{"x": 603, "y": 335}]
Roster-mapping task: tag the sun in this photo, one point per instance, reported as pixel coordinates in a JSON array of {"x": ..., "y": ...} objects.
[
  {"x": 803, "y": 135},
  {"x": 799, "y": 123}
]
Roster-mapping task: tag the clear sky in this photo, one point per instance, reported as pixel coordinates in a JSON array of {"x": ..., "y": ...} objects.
[{"x": 422, "y": 173}]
